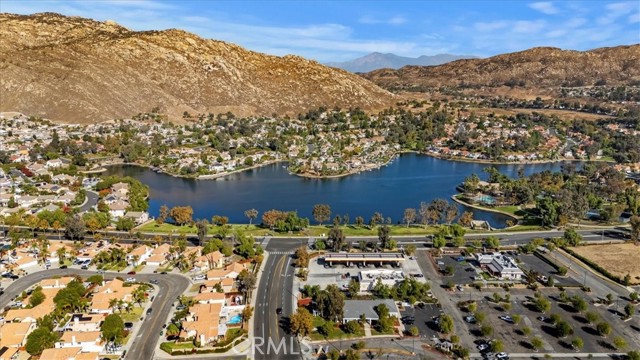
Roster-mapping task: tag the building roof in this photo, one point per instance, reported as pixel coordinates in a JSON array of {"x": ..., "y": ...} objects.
[
  {"x": 81, "y": 336},
  {"x": 67, "y": 353},
  {"x": 14, "y": 334},
  {"x": 353, "y": 309}
]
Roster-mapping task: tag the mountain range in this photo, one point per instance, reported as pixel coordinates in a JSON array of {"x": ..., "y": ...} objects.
[
  {"x": 376, "y": 60},
  {"x": 80, "y": 70},
  {"x": 542, "y": 67}
]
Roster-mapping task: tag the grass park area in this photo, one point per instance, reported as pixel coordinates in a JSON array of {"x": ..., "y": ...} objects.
[
  {"x": 617, "y": 259},
  {"x": 133, "y": 315},
  {"x": 313, "y": 230}
]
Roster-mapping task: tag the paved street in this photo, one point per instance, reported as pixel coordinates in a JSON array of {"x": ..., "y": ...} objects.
[
  {"x": 144, "y": 344},
  {"x": 275, "y": 290}
]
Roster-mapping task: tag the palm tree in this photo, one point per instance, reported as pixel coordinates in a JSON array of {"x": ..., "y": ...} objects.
[{"x": 113, "y": 304}]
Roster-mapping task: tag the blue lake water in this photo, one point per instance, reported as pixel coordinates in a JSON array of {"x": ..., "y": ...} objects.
[{"x": 404, "y": 183}]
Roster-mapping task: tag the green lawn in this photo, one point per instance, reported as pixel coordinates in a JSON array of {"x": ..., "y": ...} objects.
[
  {"x": 132, "y": 316},
  {"x": 510, "y": 209},
  {"x": 336, "y": 333},
  {"x": 313, "y": 230}
]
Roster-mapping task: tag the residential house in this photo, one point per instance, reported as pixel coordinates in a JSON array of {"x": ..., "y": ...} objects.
[
  {"x": 230, "y": 271},
  {"x": 203, "y": 323},
  {"x": 139, "y": 255},
  {"x": 69, "y": 353},
  {"x": 53, "y": 164},
  {"x": 89, "y": 341},
  {"x": 117, "y": 209},
  {"x": 214, "y": 260},
  {"x": 139, "y": 217},
  {"x": 113, "y": 289},
  {"x": 85, "y": 322},
  {"x": 14, "y": 335}
]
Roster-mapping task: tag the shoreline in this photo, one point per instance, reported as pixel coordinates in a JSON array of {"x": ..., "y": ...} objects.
[{"x": 355, "y": 171}]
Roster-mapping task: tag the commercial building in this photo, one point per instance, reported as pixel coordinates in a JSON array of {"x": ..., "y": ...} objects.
[{"x": 500, "y": 266}]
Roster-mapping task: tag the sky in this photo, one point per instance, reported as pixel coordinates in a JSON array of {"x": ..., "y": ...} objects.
[{"x": 342, "y": 30}]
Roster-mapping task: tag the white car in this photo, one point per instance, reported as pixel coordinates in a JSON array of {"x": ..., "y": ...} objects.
[
  {"x": 130, "y": 279},
  {"x": 199, "y": 277},
  {"x": 502, "y": 356},
  {"x": 483, "y": 347}
]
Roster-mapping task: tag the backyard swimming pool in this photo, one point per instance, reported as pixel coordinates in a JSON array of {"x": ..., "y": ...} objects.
[{"x": 235, "y": 319}]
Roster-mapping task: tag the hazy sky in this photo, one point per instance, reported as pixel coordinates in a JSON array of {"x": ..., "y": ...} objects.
[{"x": 342, "y": 30}]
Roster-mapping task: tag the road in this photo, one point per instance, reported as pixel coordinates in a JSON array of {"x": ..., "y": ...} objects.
[
  {"x": 92, "y": 200},
  {"x": 275, "y": 290},
  {"x": 144, "y": 345}
]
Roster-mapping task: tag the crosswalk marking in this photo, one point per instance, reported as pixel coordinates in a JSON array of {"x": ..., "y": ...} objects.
[{"x": 281, "y": 252}]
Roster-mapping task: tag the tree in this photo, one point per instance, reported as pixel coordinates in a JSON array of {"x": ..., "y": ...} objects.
[
  {"x": 603, "y": 328},
  {"x": 354, "y": 288},
  {"x": 246, "y": 314},
  {"x": 37, "y": 297},
  {"x": 466, "y": 219},
  {"x": 486, "y": 330},
  {"x": 321, "y": 213},
  {"x": 451, "y": 212},
  {"x": 301, "y": 323},
  {"x": 577, "y": 343},
  {"x": 629, "y": 310},
  {"x": 202, "y": 227},
  {"x": 336, "y": 238},
  {"x": 497, "y": 346},
  {"x": 424, "y": 213},
  {"x": 359, "y": 221},
  {"x": 75, "y": 227},
  {"x": 163, "y": 215},
  {"x": 302, "y": 257},
  {"x": 619, "y": 342},
  {"x": 492, "y": 242},
  {"x": 56, "y": 227},
  {"x": 414, "y": 331},
  {"x": 633, "y": 355},
  {"x": 572, "y": 237},
  {"x": 634, "y": 221},
  {"x": 181, "y": 215},
  {"x": 112, "y": 328},
  {"x": 251, "y": 214},
  {"x": 125, "y": 224},
  {"x": 384, "y": 236},
  {"x": 246, "y": 281},
  {"x": 62, "y": 254},
  {"x": 410, "y": 249},
  {"x": 537, "y": 343},
  {"x": 445, "y": 324},
  {"x": 409, "y": 216},
  {"x": 591, "y": 316},
  {"x": 563, "y": 329},
  {"x": 40, "y": 339}
]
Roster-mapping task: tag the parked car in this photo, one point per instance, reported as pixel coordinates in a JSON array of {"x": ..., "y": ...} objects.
[
  {"x": 199, "y": 277},
  {"x": 279, "y": 311},
  {"x": 128, "y": 325},
  {"x": 131, "y": 273},
  {"x": 470, "y": 319},
  {"x": 180, "y": 307},
  {"x": 84, "y": 267},
  {"x": 131, "y": 279},
  {"x": 149, "y": 310},
  {"x": 154, "y": 281},
  {"x": 502, "y": 356},
  {"x": 506, "y": 318},
  {"x": 483, "y": 347},
  {"x": 63, "y": 266}
]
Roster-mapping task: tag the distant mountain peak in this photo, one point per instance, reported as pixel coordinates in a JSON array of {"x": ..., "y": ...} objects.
[{"x": 377, "y": 60}]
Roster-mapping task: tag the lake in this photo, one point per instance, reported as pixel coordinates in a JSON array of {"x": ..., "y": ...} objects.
[{"x": 404, "y": 183}]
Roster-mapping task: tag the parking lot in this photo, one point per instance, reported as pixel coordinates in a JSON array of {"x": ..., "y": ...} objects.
[
  {"x": 515, "y": 340},
  {"x": 423, "y": 316},
  {"x": 464, "y": 271},
  {"x": 532, "y": 262}
]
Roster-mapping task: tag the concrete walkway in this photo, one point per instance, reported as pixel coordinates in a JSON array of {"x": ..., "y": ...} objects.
[{"x": 367, "y": 330}]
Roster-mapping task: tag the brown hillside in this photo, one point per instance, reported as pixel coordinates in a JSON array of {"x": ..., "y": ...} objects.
[
  {"x": 79, "y": 70},
  {"x": 534, "y": 68}
]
